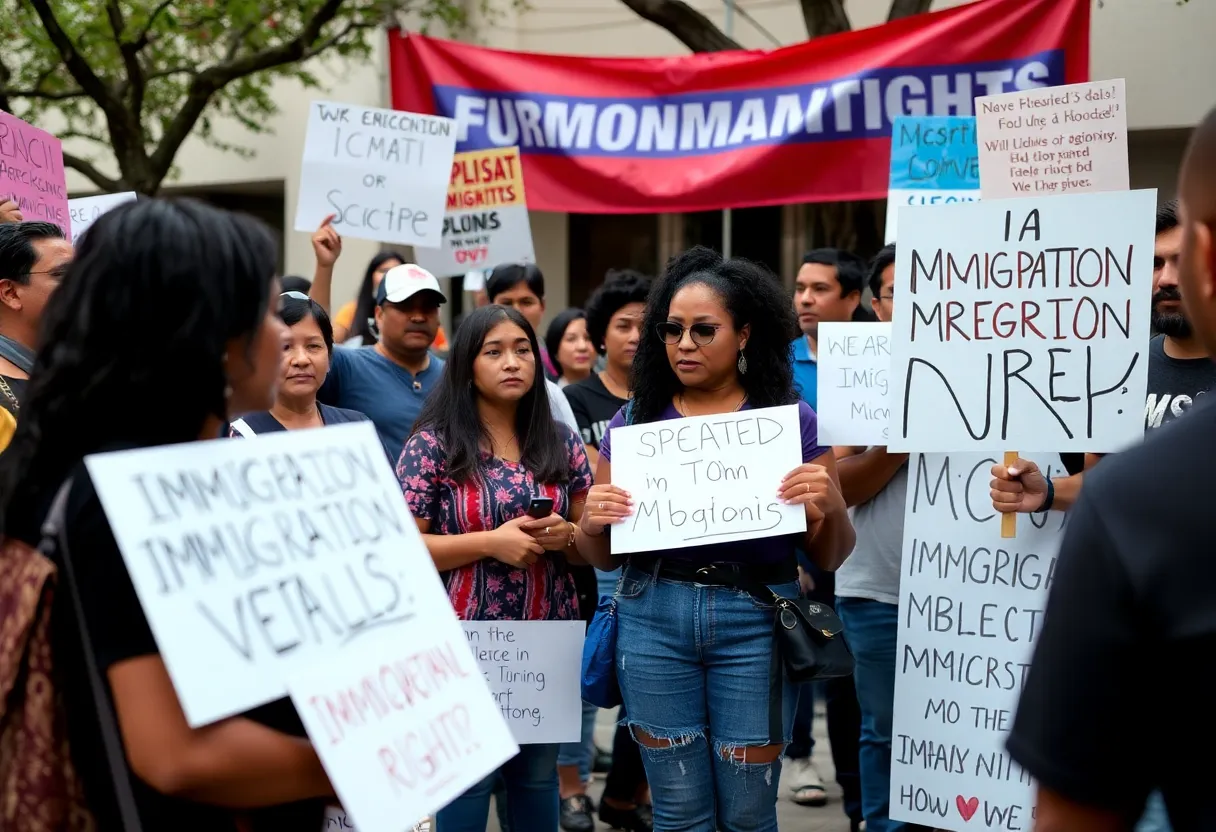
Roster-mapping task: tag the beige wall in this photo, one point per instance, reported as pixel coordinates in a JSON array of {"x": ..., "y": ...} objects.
[{"x": 1163, "y": 51}]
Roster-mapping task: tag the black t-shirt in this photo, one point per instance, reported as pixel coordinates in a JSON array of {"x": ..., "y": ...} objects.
[
  {"x": 1174, "y": 384},
  {"x": 594, "y": 406},
  {"x": 119, "y": 631},
  {"x": 1129, "y": 636}
]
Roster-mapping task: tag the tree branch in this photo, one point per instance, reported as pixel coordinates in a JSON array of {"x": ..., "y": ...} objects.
[
  {"x": 76, "y": 65},
  {"x": 130, "y": 59},
  {"x": 142, "y": 41},
  {"x": 907, "y": 8},
  {"x": 825, "y": 17},
  {"x": 686, "y": 24},
  {"x": 91, "y": 173},
  {"x": 215, "y": 78}
]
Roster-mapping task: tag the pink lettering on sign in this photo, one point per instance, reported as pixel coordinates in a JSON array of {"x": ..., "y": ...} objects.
[{"x": 31, "y": 172}]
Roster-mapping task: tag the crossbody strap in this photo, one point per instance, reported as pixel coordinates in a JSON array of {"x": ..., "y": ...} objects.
[{"x": 54, "y": 540}]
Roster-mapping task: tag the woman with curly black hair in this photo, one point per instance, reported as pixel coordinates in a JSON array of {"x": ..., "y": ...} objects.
[{"x": 694, "y": 655}]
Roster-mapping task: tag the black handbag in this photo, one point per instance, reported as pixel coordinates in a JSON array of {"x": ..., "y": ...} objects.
[{"x": 808, "y": 635}]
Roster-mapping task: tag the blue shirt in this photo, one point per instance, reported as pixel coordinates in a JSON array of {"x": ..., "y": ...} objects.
[
  {"x": 364, "y": 380},
  {"x": 806, "y": 371}
]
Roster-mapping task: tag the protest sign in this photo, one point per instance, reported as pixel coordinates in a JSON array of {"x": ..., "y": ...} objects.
[
  {"x": 707, "y": 479},
  {"x": 31, "y": 172},
  {"x": 487, "y": 219},
  {"x": 971, "y": 607},
  {"x": 256, "y": 558},
  {"x": 934, "y": 161},
  {"x": 854, "y": 368},
  {"x": 1054, "y": 140},
  {"x": 383, "y": 173},
  {"x": 1022, "y": 324},
  {"x": 85, "y": 210},
  {"x": 534, "y": 672},
  {"x": 402, "y": 725}
]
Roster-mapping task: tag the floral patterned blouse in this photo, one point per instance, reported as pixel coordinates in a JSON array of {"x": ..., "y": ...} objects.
[{"x": 489, "y": 589}]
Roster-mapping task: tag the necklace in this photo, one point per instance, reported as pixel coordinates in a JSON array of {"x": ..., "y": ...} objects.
[{"x": 682, "y": 408}]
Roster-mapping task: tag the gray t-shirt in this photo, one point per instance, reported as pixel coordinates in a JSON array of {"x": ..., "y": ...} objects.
[{"x": 872, "y": 571}]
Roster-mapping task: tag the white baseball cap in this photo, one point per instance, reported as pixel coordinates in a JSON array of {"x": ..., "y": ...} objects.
[{"x": 403, "y": 282}]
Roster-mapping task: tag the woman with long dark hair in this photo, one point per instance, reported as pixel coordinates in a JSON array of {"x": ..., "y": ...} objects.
[
  {"x": 163, "y": 326},
  {"x": 567, "y": 342},
  {"x": 483, "y": 447},
  {"x": 693, "y": 653},
  {"x": 307, "y": 347}
]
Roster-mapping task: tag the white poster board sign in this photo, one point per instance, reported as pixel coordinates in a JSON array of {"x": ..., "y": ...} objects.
[
  {"x": 970, "y": 609},
  {"x": 1022, "y": 324},
  {"x": 402, "y": 725},
  {"x": 853, "y": 378},
  {"x": 534, "y": 670},
  {"x": 1053, "y": 140},
  {"x": 487, "y": 220},
  {"x": 256, "y": 559},
  {"x": 85, "y": 210},
  {"x": 383, "y": 173},
  {"x": 707, "y": 479}
]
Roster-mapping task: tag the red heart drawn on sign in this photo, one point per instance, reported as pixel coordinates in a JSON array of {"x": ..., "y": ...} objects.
[{"x": 967, "y": 808}]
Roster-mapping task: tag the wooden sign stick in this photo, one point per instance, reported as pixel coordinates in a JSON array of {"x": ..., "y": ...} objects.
[{"x": 1009, "y": 522}]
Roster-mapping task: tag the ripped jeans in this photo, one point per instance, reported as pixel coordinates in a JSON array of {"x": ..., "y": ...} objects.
[{"x": 693, "y": 663}]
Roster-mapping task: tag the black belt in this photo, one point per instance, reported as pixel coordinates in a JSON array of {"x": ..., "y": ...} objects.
[{"x": 674, "y": 569}]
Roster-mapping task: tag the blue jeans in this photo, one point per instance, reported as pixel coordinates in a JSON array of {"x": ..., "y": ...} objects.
[
  {"x": 581, "y": 753},
  {"x": 871, "y": 628},
  {"x": 693, "y": 663},
  {"x": 531, "y": 779}
]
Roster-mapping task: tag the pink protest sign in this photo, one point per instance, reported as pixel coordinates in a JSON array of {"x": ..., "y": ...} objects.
[{"x": 31, "y": 172}]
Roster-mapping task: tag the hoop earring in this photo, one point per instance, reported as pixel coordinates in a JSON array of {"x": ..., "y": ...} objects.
[{"x": 742, "y": 364}]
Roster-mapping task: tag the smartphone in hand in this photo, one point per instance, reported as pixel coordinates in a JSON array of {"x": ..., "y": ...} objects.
[{"x": 540, "y": 507}]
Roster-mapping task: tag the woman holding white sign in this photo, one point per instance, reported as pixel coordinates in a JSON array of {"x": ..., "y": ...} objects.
[
  {"x": 486, "y": 457},
  {"x": 198, "y": 284},
  {"x": 694, "y": 655}
]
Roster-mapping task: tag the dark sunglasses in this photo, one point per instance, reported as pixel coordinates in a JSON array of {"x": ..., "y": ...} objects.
[{"x": 702, "y": 334}]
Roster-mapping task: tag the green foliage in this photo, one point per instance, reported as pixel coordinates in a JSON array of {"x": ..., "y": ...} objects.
[{"x": 136, "y": 77}]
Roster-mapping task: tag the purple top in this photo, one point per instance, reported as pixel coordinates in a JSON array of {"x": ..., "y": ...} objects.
[
  {"x": 760, "y": 550},
  {"x": 488, "y": 589}
]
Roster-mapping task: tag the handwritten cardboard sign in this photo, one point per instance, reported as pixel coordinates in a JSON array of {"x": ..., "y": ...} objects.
[
  {"x": 384, "y": 173},
  {"x": 853, "y": 383},
  {"x": 934, "y": 161},
  {"x": 707, "y": 479},
  {"x": 971, "y": 607},
  {"x": 402, "y": 725},
  {"x": 533, "y": 669},
  {"x": 487, "y": 218},
  {"x": 1022, "y": 324},
  {"x": 85, "y": 210},
  {"x": 257, "y": 558},
  {"x": 31, "y": 172},
  {"x": 1053, "y": 140}
]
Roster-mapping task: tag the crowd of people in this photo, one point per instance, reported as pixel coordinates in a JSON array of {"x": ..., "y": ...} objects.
[{"x": 167, "y": 323}]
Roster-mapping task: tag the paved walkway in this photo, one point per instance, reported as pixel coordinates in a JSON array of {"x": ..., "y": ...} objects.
[{"x": 790, "y": 816}]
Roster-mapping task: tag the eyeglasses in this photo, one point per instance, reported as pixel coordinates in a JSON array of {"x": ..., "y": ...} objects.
[
  {"x": 295, "y": 296},
  {"x": 886, "y": 297},
  {"x": 59, "y": 272},
  {"x": 673, "y": 333}
]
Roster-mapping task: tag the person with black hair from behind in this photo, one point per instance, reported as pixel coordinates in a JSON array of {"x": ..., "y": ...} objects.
[
  {"x": 485, "y": 445},
  {"x": 305, "y": 363},
  {"x": 197, "y": 284},
  {"x": 702, "y": 700}
]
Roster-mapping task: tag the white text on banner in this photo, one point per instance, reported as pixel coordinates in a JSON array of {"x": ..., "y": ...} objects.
[
  {"x": 257, "y": 558},
  {"x": 383, "y": 173},
  {"x": 970, "y": 609},
  {"x": 1022, "y": 324},
  {"x": 706, "y": 479}
]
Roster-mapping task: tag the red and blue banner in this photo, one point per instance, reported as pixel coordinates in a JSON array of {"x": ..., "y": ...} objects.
[{"x": 805, "y": 123}]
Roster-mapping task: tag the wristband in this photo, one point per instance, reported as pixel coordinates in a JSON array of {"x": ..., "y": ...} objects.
[{"x": 1051, "y": 498}]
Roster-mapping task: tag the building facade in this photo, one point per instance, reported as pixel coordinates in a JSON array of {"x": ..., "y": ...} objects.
[{"x": 1160, "y": 47}]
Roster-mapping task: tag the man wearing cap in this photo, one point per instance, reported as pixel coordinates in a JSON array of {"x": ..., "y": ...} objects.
[{"x": 388, "y": 381}]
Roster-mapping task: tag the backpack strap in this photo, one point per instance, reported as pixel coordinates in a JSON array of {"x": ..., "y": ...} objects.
[{"x": 54, "y": 539}]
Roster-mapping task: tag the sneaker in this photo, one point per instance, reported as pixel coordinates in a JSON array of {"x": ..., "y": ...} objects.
[
  {"x": 806, "y": 784},
  {"x": 576, "y": 814}
]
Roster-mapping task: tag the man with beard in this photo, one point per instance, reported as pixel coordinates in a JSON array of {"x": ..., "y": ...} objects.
[
  {"x": 1180, "y": 372},
  {"x": 1129, "y": 633}
]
